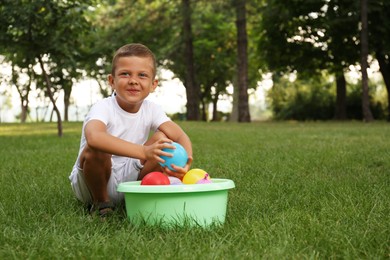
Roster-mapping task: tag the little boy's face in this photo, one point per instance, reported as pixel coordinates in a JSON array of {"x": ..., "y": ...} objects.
[{"x": 133, "y": 81}]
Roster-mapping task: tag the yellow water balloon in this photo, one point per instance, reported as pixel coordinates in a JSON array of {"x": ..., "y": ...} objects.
[{"x": 195, "y": 175}]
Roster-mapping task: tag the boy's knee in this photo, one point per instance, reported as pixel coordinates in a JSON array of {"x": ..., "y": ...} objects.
[
  {"x": 97, "y": 157},
  {"x": 155, "y": 137},
  {"x": 158, "y": 135}
]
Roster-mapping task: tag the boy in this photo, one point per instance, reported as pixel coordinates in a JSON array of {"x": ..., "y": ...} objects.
[{"x": 114, "y": 145}]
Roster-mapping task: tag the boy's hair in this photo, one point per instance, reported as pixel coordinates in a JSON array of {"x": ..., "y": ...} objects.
[{"x": 133, "y": 49}]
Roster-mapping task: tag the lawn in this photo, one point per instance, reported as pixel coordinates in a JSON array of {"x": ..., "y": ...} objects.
[{"x": 303, "y": 190}]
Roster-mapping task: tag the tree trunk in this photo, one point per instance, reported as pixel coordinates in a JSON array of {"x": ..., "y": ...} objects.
[
  {"x": 203, "y": 110},
  {"x": 341, "y": 97},
  {"x": 367, "y": 115},
  {"x": 50, "y": 94},
  {"x": 242, "y": 64},
  {"x": 234, "y": 114},
  {"x": 67, "y": 91},
  {"x": 192, "y": 90},
  {"x": 24, "y": 112},
  {"x": 215, "y": 109},
  {"x": 23, "y": 91},
  {"x": 385, "y": 70}
]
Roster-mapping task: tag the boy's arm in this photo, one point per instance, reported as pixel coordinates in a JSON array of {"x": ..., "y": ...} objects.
[
  {"x": 98, "y": 138},
  {"x": 175, "y": 133}
]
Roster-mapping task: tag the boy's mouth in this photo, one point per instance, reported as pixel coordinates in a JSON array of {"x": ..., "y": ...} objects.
[{"x": 133, "y": 91}]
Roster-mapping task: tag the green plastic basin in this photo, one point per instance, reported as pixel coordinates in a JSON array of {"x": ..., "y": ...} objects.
[{"x": 177, "y": 205}]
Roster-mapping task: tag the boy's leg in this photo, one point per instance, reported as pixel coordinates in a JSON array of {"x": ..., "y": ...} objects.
[
  {"x": 151, "y": 166},
  {"x": 97, "y": 171}
]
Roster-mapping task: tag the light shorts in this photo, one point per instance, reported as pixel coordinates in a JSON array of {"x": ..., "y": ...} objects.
[{"x": 126, "y": 170}]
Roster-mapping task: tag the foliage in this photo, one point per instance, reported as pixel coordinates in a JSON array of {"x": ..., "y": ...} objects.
[
  {"x": 379, "y": 26},
  {"x": 77, "y": 39},
  {"x": 215, "y": 51},
  {"x": 313, "y": 99},
  {"x": 47, "y": 31},
  {"x": 310, "y": 99},
  {"x": 38, "y": 28},
  {"x": 377, "y": 106},
  {"x": 117, "y": 26},
  {"x": 308, "y": 36},
  {"x": 303, "y": 190},
  {"x": 214, "y": 39}
]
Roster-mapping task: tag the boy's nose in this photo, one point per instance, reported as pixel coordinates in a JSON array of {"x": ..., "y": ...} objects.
[{"x": 132, "y": 81}]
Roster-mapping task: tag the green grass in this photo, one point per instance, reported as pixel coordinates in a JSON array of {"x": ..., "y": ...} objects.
[{"x": 303, "y": 190}]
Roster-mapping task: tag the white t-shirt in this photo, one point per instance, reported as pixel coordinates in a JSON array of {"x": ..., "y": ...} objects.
[{"x": 132, "y": 127}]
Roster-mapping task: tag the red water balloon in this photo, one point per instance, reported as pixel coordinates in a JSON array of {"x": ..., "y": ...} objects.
[{"x": 155, "y": 178}]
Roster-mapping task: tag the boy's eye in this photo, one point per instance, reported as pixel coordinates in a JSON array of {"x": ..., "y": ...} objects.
[
  {"x": 124, "y": 74},
  {"x": 143, "y": 75}
]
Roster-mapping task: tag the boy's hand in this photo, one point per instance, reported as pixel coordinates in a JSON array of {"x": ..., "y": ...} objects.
[
  {"x": 154, "y": 151},
  {"x": 179, "y": 172}
]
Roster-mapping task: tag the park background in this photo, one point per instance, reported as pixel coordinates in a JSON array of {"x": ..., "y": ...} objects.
[
  {"x": 218, "y": 61},
  {"x": 311, "y": 168}
]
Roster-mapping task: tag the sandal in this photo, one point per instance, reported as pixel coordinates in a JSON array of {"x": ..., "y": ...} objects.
[{"x": 104, "y": 209}]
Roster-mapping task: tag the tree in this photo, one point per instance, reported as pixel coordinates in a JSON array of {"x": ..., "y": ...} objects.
[
  {"x": 45, "y": 32},
  {"x": 49, "y": 92},
  {"x": 242, "y": 61},
  {"x": 340, "y": 112},
  {"x": 379, "y": 37},
  {"x": 23, "y": 89},
  {"x": 255, "y": 62},
  {"x": 192, "y": 89},
  {"x": 215, "y": 52},
  {"x": 367, "y": 115},
  {"x": 204, "y": 49},
  {"x": 310, "y": 36},
  {"x": 340, "y": 24}
]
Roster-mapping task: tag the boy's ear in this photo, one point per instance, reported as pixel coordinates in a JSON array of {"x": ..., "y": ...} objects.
[
  {"x": 110, "y": 80},
  {"x": 155, "y": 85}
]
